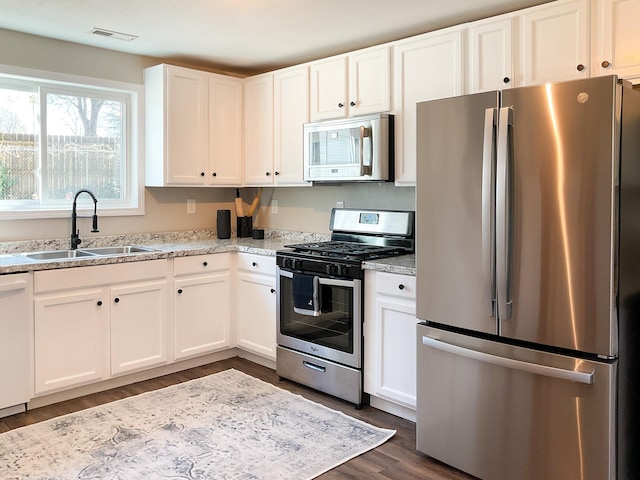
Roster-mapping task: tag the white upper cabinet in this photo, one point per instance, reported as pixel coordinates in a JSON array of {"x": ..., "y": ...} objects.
[
  {"x": 426, "y": 67},
  {"x": 555, "y": 42},
  {"x": 615, "y": 44},
  {"x": 491, "y": 54},
  {"x": 193, "y": 127},
  {"x": 258, "y": 125},
  {"x": 291, "y": 112},
  {"x": 354, "y": 84},
  {"x": 226, "y": 116}
]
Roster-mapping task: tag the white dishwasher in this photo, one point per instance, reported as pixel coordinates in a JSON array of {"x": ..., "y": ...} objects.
[{"x": 15, "y": 292}]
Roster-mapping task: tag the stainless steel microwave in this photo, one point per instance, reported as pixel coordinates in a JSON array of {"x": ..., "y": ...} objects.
[{"x": 349, "y": 150}]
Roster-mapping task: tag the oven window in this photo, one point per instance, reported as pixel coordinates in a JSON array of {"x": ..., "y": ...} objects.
[{"x": 333, "y": 328}]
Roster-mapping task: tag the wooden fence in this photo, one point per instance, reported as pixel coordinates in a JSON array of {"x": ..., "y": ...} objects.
[{"x": 72, "y": 162}]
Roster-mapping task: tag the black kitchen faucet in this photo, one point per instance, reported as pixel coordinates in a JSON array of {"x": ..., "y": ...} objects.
[{"x": 75, "y": 238}]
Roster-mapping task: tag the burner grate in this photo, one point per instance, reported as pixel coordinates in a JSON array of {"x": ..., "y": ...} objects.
[{"x": 344, "y": 249}]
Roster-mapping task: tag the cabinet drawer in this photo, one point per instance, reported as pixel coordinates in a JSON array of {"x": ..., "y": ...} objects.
[
  {"x": 257, "y": 263},
  {"x": 397, "y": 285},
  {"x": 200, "y": 264}
]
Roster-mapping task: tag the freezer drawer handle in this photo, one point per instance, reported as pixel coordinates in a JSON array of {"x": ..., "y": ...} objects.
[{"x": 573, "y": 376}]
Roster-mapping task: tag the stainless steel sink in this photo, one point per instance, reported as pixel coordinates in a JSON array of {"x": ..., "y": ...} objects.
[
  {"x": 87, "y": 252},
  {"x": 57, "y": 255},
  {"x": 119, "y": 250}
]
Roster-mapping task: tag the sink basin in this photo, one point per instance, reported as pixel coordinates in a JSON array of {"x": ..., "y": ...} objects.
[
  {"x": 87, "y": 252},
  {"x": 119, "y": 250},
  {"x": 57, "y": 254}
]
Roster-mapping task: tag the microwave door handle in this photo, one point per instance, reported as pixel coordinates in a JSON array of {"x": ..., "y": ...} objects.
[{"x": 364, "y": 133}]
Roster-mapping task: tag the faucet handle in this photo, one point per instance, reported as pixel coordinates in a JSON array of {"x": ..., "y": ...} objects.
[{"x": 94, "y": 225}]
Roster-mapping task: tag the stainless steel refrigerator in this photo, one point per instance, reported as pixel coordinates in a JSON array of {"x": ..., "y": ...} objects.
[{"x": 528, "y": 281}]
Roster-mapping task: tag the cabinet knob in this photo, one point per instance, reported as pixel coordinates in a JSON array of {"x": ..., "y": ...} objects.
[
  {"x": 506, "y": 80},
  {"x": 99, "y": 303},
  {"x": 353, "y": 104},
  {"x": 605, "y": 64},
  {"x": 580, "y": 67},
  {"x": 179, "y": 291},
  {"x": 254, "y": 264},
  {"x": 401, "y": 287},
  {"x": 116, "y": 300},
  {"x": 202, "y": 174},
  {"x": 214, "y": 174},
  {"x": 277, "y": 173},
  {"x": 273, "y": 290},
  {"x": 204, "y": 264},
  {"x": 340, "y": 105},
  {"x": 268, "y": 174}
]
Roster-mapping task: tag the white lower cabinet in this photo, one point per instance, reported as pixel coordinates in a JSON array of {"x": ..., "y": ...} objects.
[
  {"x": 91, "y": 323},
  {"x": 15, "y": 317},
  {"x": 256, "y": 304},
  {"x": 71, "y": 338},
  {"x": 390, "y": 333},
  {"x": 139, "y": 325},
  {"x": 201, "y": 305}
]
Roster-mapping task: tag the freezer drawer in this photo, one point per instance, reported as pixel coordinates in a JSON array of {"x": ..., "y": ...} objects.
[{"x": 503, "y": 412}]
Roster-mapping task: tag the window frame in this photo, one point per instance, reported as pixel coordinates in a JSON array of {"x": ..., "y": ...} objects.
[{"x": 133, "y": 143}]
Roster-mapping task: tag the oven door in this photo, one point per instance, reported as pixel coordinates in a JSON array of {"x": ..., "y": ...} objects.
[{"x": 336, "y": 333}]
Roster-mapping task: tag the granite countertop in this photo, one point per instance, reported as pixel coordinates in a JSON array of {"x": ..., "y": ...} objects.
[{"x": 174, "y": 244}]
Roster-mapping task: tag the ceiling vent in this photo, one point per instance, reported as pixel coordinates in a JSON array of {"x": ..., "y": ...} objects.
[{"x": 111, "y": 34}]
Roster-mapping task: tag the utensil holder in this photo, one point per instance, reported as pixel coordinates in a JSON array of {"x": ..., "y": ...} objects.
[{"x": 244, "y": 226}]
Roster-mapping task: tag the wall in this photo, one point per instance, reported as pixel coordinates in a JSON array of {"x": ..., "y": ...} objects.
[{"x": 305, "y": 209}]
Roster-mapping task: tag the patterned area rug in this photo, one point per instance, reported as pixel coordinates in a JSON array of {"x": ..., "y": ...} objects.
[{"x": 227, "y": 426}]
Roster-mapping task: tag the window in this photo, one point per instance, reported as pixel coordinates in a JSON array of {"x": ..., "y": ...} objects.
[{"x": 57, "y": 137}]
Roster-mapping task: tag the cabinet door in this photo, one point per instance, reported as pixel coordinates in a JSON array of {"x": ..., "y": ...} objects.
[
  {"x": 71, "y": 333},
  {"x": 202, "y": 314},
  {"x": 258, "y": 140},
  {"x": 186, "y": 127},
  {"x": 370, "y": 81},
  {"x": 291, "y": 112},
  {"x": 226, "y": 115},
  {"x": 139, "y": 326},
  {"x": 555, "y": 42},
  {"x": 616, "y": 38},
  {"x": 14, "y": 339},
  {"x": 395, "y": 350},
  {"x": 491, "y": 55},
  {"x": 426, "y": 67},
  {"x": 329, "y": 85},
  {"x": 256, "y": 328}
]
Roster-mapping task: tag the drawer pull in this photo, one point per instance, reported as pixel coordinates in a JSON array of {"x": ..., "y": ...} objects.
[
  {"x": 273, "y": 290},
  {"x": 312, "y": 366},
  {"x": 401, "y": 287},
  {"x": 254, "y": 264},
  {"x": 99, "y": 303},
  {"x": 116, "y": 300},
  {"x": 204, "y": 264},
  {"x": 179, "y": 291}
]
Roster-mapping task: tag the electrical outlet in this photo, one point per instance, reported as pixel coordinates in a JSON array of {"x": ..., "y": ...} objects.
[
  {"x": 340, "y": 204},
  {"x": 191, "y": 205},
  {"x": 274, "y": 206}
]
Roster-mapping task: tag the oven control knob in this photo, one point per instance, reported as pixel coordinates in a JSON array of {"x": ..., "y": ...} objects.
[{"x": 295, "y": 263}]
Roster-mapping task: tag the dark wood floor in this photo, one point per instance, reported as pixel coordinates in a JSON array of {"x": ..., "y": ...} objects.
[{"x": 397, "y": 459}]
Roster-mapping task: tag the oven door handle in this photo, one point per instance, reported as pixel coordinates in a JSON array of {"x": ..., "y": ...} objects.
[{"x": 325, "y": 280}]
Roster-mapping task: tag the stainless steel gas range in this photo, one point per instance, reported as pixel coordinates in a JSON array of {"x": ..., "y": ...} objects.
[{"x": 321, "y": 303}]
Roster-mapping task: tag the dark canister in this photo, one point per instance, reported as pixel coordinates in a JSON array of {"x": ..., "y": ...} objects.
[{"x": 223, "y": 224}]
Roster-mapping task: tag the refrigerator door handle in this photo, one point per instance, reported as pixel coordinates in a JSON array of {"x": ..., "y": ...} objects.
[
  {"x": 504, "y": 213},
  {"x": 488, "y": 209},
  {"x": 533, "y": 368}
]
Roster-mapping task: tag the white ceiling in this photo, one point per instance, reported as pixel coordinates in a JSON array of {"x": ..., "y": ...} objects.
[{"x": 243, "y": 36}]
